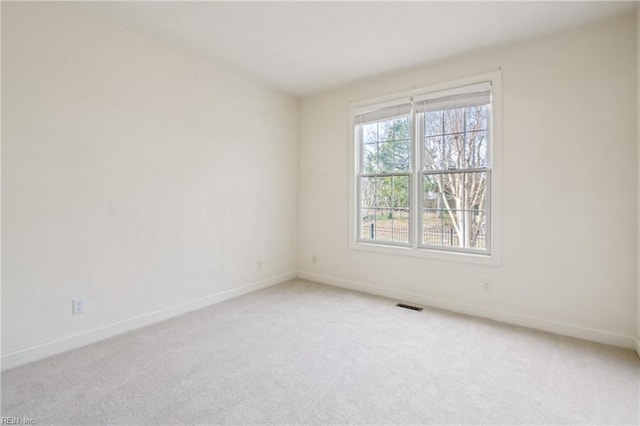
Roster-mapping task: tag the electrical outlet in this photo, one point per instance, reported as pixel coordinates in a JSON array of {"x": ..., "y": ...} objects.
[
  {"x": 314, "y": 259},
  {"x": 259, "y": 265},
  {"x": 77, "y": 306},
  {"x": 485, "y": 285}
]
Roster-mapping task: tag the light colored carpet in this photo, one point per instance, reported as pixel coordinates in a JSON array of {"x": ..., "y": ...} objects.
[{"x": 305, "y": 353}]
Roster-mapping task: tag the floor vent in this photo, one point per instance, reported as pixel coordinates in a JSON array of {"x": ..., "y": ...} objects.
[{"x": 413, "y": 308}]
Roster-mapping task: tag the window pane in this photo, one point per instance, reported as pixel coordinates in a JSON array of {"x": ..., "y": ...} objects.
[
  {"x": 446, "y": 189},
  {"x": 475, "y": 213},
  {"x": 432, "y": 229},
  {"x": 433, "y": 153},
  {"x": 456, "y": 139},
  {"x": 401, "y": 155},
  {"x": 454, "y": 210},
  {"x": 475, "y": 191},
  {"x": 385, "y": 208},
  {"x": 401, "y": 129},
  {"x": 431, "y": 192},
  {"x": 478, "y": 229},
  {"x": 476, "y": 149},
  {"x": 369, "y": 219},
  {"x": 369, "y": 162},
  {"x": 386, "y": 162},
  {"x": 394, "y": 149},
  {"x": 437, "y": 229},
  {"x": 433, "y": 124},
  {"x": 370, "y": 133},
  {"x": 477, "y": 118},
  {"x": 453, "y": 151},
  {"x": 386, "y": 146},
  {"x": 385, "y": 130},
  {"x": 454, "y": 120},
  {"x": 441, "y": 217}
]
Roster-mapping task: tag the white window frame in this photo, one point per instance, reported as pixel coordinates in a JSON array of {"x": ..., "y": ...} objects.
[{"x": 415, "y": 249}]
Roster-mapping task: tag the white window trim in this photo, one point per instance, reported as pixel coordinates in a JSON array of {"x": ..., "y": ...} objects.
[{"x": 492, "y": 259}]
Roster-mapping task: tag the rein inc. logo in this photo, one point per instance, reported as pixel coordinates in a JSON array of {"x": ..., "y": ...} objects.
[{"x": 18, "y": 421}]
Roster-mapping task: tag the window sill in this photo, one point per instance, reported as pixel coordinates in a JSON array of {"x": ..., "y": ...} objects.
[{"x": 448, "y": 256}]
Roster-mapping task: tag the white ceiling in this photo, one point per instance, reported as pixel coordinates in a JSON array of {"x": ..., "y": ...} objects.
[{"x": 306, "y": 47}]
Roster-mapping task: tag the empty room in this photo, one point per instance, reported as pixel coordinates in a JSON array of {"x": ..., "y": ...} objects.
[{"x": 320, "y": 213}]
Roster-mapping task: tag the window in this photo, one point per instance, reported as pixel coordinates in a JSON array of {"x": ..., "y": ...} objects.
[{"x": 424, "y": 170}]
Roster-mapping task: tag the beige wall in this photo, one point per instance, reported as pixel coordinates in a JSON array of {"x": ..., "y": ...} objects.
[
  {"x": 569, "y": 188},
  {"x": 134, "y": 175},
  {"x": 638, "y": 130}
]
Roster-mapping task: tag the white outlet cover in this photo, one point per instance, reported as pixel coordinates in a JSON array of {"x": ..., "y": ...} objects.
[{"x": 77, "y": 306}]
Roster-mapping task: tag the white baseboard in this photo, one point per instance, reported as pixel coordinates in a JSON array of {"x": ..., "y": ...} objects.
[
  {"x": 63, "y": 344},
  {"x": 506, "y": 317}
]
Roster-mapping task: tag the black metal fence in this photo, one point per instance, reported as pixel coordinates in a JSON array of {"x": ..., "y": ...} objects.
[
  {"x": 394, "y": 231},
  {"x": 399, "y": 232}
]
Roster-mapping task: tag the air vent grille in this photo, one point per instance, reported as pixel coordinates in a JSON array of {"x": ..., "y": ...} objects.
[{"x": 413, "y": 308}]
